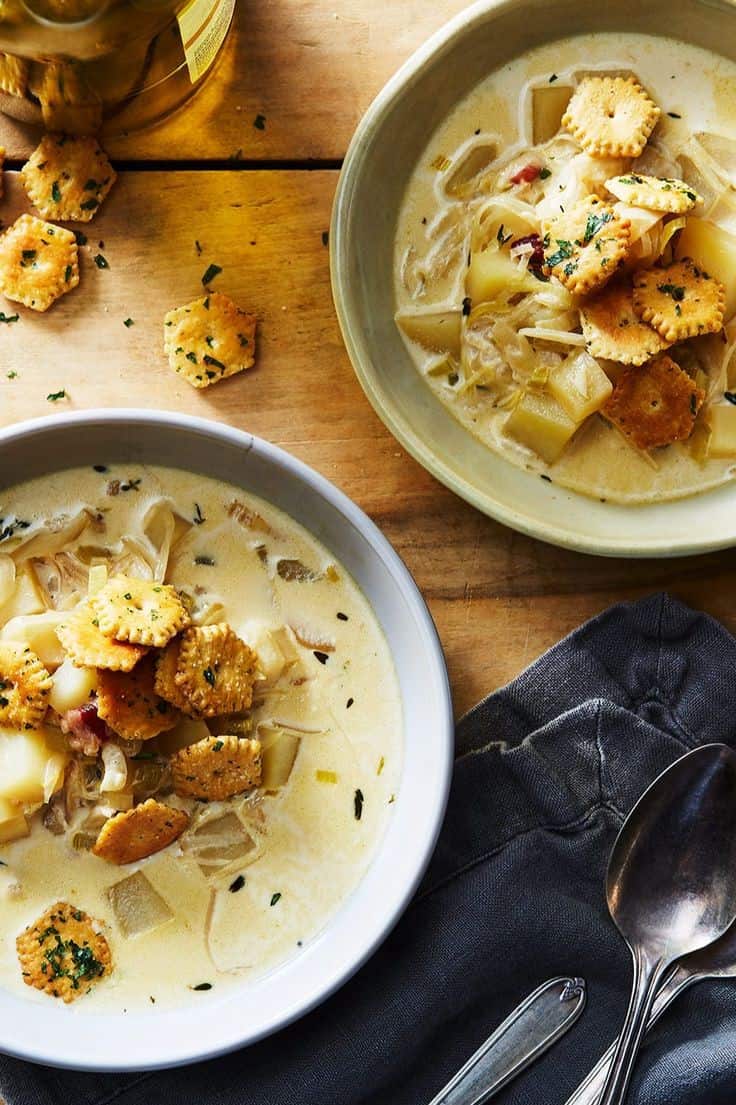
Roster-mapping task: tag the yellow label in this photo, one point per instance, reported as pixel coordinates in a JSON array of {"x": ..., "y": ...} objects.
[{"x": 203, "y": 25}]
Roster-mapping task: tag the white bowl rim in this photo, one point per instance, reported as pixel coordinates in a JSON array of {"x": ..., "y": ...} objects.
[
  {"x": 390, "y": 414},
  {"x": 49, "y": 1035}
]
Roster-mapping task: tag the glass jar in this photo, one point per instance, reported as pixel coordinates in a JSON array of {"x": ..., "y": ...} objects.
[{"x": 83, "y": 66}]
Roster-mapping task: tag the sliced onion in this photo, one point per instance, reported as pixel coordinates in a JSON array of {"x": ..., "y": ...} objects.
[
  {"x": 116, "y": 768},
  {"x": 137, "y": 906}
]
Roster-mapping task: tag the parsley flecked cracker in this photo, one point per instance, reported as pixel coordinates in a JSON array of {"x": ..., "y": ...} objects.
[
  {"x": 611, "y": 116},
  {"x": 24, "y": 687},
  {"x": 13, "y": 74},
  {"x": 585, "y": 245},
  {"x": 654, "y": 193},
  {"x": 209, "y": 339},
  {"x": 87, "y": 647},
  {"x": 140, "y": 832},
  {"x": 167, "y": 665},
  {"x": 216, "y": 670},
  {"x": 38, "y": 262},
  {"x": 612, "y": 329},
  {"x": 679, "y": 301},
  {"x": 128, "y": 702},
  {"x": 63, "y": 953},
  {"x": 654, "y": 405},
  {"x": 139, "y": 611},
  {"x": 217, "y": 768},
  {"x": 68, "y": 178}
]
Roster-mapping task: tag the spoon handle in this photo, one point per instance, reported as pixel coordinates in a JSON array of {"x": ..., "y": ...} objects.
[
  {"x": 589, "y": 1090},
  {"x": 647, "y": 979},
  {"x": 526, "y": 1033}
]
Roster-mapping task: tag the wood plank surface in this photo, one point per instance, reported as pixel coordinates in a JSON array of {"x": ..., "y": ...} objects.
[
  {"x": 310, "y": 67},
  {"x": 499, "y": 599}
]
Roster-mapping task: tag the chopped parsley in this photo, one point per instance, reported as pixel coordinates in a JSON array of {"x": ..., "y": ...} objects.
[
  {"x": 80, "y": 237},
  {"x": 90, "y": 204},
  {"x": 674, "y": 115},
  {"x": 12, "y": 374},
  {"x": 56, "y": 192},
  {"x": 260, "y": 122},
  {"x": 358, "y": 804},
  {"x": 594, "y": 224},
  {"x": 349, "y": 703},
  {"x": 202, "y": 986},
  {"x": 553, "y": 78},
  {"x": 321, "y": 656},
  {"x": 467, "y": 306},
  {"x": 67, "y": 274},
  {"x": 205, "y": 561},
  {"x": 219, "y": 745},
  {"x": 100, "y": 467},
  {"x": 198, "y": 247},
  {"x": 676, "y": 291},
  {"x": 128, "y": 322},
  {"x": 29, "y": 256},
  {"x": 209, "y": 677},
  {"x": 9, "y": 529},
  {"x": 54, "y": 396},
  {"x": 131, "y": 485},
  {"x": 325, "y": 237},
  {"x": 237, "y": 884},
  {"x": 8, "y": 318},
  {"x": 545, "y": 173},
  {"x": 210, "y": 273},
  {"x": 101, "y": 261},
  {"x": 199, "y": 518},
  {"x": 213, "y": 361},
  {"x": 275, "y": 897},
  {"x": 342, "y": 617},
  {"x": 730, "y": 396},
  {"x": 502, "y": 238},
  {"x": 565, "y": 250}
]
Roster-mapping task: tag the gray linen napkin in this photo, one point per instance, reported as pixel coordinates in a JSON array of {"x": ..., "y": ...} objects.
[{"x": 548, "y": 767}]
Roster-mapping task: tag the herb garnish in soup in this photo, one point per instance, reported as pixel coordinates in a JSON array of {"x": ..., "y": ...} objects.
[
  {"x": 200, "y": 736},
  {"x": 566, "y": 266}
]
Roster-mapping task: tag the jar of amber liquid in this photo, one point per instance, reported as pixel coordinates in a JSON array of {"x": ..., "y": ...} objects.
[{"x": 85, "y": 66}]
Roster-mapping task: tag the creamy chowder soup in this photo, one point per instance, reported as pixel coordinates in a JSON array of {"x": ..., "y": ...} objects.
[
  {"x": 200, "y": 737},
  {"x": 565, "y": 265}
]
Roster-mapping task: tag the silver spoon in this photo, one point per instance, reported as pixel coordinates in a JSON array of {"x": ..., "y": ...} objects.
[
  {"x": 671, "y": 883},
  {"x": 715, "y": 961}
]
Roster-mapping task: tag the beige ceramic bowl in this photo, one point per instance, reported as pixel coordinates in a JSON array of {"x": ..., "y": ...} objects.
[{"x": 386, "y": 146}]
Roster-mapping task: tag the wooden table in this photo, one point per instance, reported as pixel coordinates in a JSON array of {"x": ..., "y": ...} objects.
[{"x": 311, "y": 68}]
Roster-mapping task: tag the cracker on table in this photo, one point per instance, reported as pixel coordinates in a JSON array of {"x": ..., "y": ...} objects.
[
  {"x": 216, "y": 670},
  {"x": 63, "y": 953},
  {"x": 611, "y": 116},
  {"x": 130, "y": 836},
  {"x": 38, "y": 262},
  {"x": 209, "y": 339},
  {"x": 665, "y": 194},
  {"x": 217, "y": 768},
  {"x": 24, "y": 687},
  {"x": 68, "y": 178},
  {"x": 612, "y": 329},
  {"x": 585, "y": 244},
  {"x": 654, "y": 405},
  {"x": 680, "y": 300},
  {"x": 87, "y": 647},
  {"x": 13, "y": 74},
  {"x": 140, "y": 611},
  {"x": 128, "y": 702}
]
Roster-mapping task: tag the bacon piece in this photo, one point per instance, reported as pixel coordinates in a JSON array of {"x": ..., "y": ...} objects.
[
  {"x": 526, "y": 174},
  {"x": 85, "y": 730}
]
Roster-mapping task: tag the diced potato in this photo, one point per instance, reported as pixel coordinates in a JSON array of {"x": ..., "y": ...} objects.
[
  {"x": 72, "y": 686},
  {"x": 38, "y": 631},
  {"x": 278, "y": 750},
  {"x": 714, "y": 250},
  {"x": 539, "y": 422},
  {"x": 438, "y": 331},
  {"x": 579, "y": 385},
  {"x": 137, "y": 906},
  {"x": 97, "y": 579},
  {"x": 187, "y": 731},
  {"x": 464, "y": 179},
  {"x": 7, "y": 579},
  {"x": 23, "y": 763},
  {"x": 117, "y": 799},
  {"x": 27, "y": 597},
  {"x": 271, "y": 647},
  {"x": 548, "y": 106},
  {"x": 13, "y": 822},
  {"x": 220, "y": 844},
  {"x": 492, "y": 273},
  {"x": 723, "y": 431}
]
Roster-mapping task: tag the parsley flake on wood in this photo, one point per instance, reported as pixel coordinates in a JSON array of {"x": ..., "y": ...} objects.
[
  {"x": 325, "y": 237},
  {"x": 210, "y": 273},
  {"x": 358, "y": 804},
  {"x": 54, "y": 396},
  {"x": 101, "y": 261},
  {"x": 80, "y": 237},
  {"x": 260, "y": 122},
  {"x": 128, "y": 322}
]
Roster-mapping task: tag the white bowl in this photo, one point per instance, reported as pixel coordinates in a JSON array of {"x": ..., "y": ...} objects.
[
  {"x": 386, "y": 146},
  {"x": 59, "y": 1036}
]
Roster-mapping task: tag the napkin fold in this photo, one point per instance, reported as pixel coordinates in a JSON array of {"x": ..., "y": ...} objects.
[{"x": 548, "y": 768}]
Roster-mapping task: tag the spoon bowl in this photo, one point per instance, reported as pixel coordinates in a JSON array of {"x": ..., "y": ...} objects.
[{"x": 671, "y": 882}]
